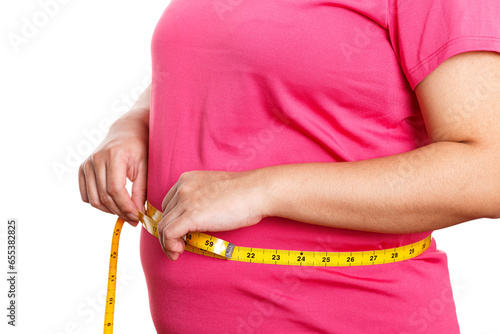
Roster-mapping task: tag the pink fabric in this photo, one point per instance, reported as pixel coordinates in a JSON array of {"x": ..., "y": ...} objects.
[{"x": 239, "y": 85}]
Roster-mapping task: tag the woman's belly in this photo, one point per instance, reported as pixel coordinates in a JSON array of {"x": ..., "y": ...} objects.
[{"x": 199, "y": 294}]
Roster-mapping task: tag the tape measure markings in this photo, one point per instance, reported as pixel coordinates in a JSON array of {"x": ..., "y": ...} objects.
[
  {"x": 208, "y": 245},
  {"x": 113, "y": 265}
]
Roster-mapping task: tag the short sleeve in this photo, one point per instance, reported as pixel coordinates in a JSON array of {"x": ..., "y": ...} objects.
[{"x": 424, "y": 33}]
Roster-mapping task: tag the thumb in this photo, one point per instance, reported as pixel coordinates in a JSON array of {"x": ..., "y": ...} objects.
[{"x": 139, "y": 188}]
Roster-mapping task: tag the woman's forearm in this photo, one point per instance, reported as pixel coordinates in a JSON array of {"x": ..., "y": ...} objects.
[
  {"x": 452, "y": 180},
  {"x": 435, "y": 186}
]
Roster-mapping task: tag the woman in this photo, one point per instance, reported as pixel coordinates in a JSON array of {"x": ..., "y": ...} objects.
[{"x": 330, "y": 126}]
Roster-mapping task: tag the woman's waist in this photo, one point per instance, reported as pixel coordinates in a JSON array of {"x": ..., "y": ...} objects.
[{"x": 285, "y": 234}]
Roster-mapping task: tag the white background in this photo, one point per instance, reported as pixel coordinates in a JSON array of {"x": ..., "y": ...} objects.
[{"x": 78, "y": 71}]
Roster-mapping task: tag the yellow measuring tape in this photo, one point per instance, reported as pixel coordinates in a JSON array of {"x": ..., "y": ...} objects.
[
  {"x": 110, "y": 295},
  {"x": 207, "y": 245},
  {"x": 211, "y": 246}
]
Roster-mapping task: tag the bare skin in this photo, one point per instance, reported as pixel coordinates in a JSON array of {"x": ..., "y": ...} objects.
[
  {"x": 122, "y": 154},
  {"x": 452, "y": 180}
]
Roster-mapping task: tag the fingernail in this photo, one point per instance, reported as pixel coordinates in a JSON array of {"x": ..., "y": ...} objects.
[
  {"x": 172, "y": 256},
  {"x": 133, "y": 217},
  {"x": 178, "y": 247}
]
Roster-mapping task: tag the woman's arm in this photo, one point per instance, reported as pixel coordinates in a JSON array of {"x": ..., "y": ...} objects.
[
  {"x": 122, "y": 154},
  {"x": 452, "y": 180}
]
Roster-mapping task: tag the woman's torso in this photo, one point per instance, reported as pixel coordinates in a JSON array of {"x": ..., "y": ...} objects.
[{"x": 243, "y": 84}]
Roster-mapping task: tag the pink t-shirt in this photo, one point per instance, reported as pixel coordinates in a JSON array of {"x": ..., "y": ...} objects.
[{"x": 242, "y": 84}]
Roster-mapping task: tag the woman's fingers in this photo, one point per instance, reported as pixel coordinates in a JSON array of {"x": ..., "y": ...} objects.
[
  {"x": 116, "y": 180},
  {"x": 139, "y": 187},
  {"x": 168, "y": 198},
  {"x": 207, "y": 201},
  {"x": 171, "y": 229},
  {"x": 103, "y": 176},
  {"x": 91, "y": 186},
  {"x": 82, "y": 185},
  {"x": 170, "y": 205}
]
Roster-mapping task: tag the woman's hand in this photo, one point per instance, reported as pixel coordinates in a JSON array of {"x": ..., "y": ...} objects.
[
  {"x": 123, "y": 154},
  {"x": 203, "y": 201}
]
